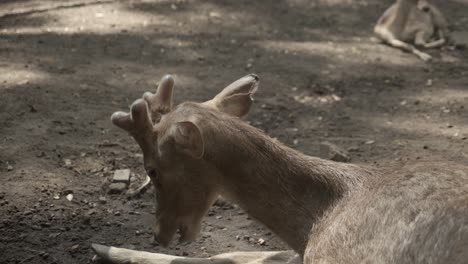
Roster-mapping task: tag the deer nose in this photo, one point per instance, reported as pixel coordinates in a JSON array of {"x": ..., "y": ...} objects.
[
  {"x": 426, "y": 9},
  {"x": 152, "y": 173}
]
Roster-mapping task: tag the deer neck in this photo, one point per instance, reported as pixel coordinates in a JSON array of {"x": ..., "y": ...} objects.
[
  {"x": 280, "y": 187},
  {"x": 401, "y": 15}
]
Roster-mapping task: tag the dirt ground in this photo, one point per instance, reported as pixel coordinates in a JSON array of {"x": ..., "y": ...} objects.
[{"x": 65, "y": 66}]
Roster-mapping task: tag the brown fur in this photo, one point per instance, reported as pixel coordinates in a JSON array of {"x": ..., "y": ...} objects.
[{"x": 326, "y": 211}]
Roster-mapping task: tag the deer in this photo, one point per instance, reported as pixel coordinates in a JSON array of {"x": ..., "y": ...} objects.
[
  {"x": 407, "y": 23},
  {"x": 325, "y": 211}
]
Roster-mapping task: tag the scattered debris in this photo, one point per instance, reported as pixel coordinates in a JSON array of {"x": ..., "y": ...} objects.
[{"x": 332, "y": 152}]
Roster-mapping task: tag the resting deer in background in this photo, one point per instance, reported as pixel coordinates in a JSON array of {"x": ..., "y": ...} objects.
[
  {"x": 327, "y": 212},
  {"x": 413, "y": 22}
]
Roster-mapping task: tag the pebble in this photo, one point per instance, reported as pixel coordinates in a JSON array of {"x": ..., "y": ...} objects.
[
  {"x": 122, "y": 176},
  {"x": 67, "y": 162},
  {"x": 261, "y": 242},
  {"x": 332, "y": 152},
  {"x": 102, "y": 199}
]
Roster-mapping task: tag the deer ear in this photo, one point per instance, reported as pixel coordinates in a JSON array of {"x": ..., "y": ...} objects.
[
  {"x": 236, "y": 98},
  {"x": 188, "y": 139}
]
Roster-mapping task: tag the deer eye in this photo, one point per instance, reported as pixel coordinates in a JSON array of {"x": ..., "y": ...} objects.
[{"x": 156, "y": 117}]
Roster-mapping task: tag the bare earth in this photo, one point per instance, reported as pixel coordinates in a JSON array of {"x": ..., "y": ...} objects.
[{"x": 65, "y": 66}]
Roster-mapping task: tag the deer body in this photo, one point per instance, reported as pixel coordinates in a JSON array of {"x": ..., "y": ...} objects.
[
  {"x": 327, "y": 212},
  {"x": 413, "y": 22}
]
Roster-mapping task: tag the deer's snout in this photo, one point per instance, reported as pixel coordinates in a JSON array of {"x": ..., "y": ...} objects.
[{"x": 152, "y": 172}]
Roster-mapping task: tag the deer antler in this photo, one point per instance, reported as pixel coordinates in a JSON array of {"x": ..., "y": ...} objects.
[
  {"x": 161, "y": 102},
  {"x": 136, "y": 121}
]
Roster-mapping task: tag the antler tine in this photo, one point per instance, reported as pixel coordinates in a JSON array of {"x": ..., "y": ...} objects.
[
  {"x": 161, "y": 102},
  {"x": 138, "y": 121}
]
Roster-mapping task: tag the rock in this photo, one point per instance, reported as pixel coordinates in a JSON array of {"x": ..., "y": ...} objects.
[
  {"x": 67, "y": 163},
  {"x": 214, "y": 14},
  {"x": 122, "y": 176},
  {"x": 261, "y": 242},
  {"x": 74, "y": 248},
  {"x": 333, "y": 152},
  {"x": 69, "y": 197},
  {"x": 102, "y": 199}
]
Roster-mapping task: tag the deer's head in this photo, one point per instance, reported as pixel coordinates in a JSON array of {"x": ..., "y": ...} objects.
[
  {"x": 173, "y": 145},
  {"x": 422, "y": 5}
]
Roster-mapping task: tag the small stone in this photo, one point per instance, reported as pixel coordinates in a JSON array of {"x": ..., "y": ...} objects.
[
  {"x": 56, "y": 197},
  {"x": 369, "y": 142},
  {"x": 69, "y": 197},
  {"x": 261, "y": 242},
  {"x": 27, "y": 212},
  {"x": 122, "y": 176},
  {"x": 102, "y": 199},
  {"x": 214, "y": 14},
  {"x": 9, "y": 168},
  {"x": 117, "y": 187},
  {"x": 75, "y": 247},
  {"x": 67, "y": 162},
  {"x": 332, "y": 152}
]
